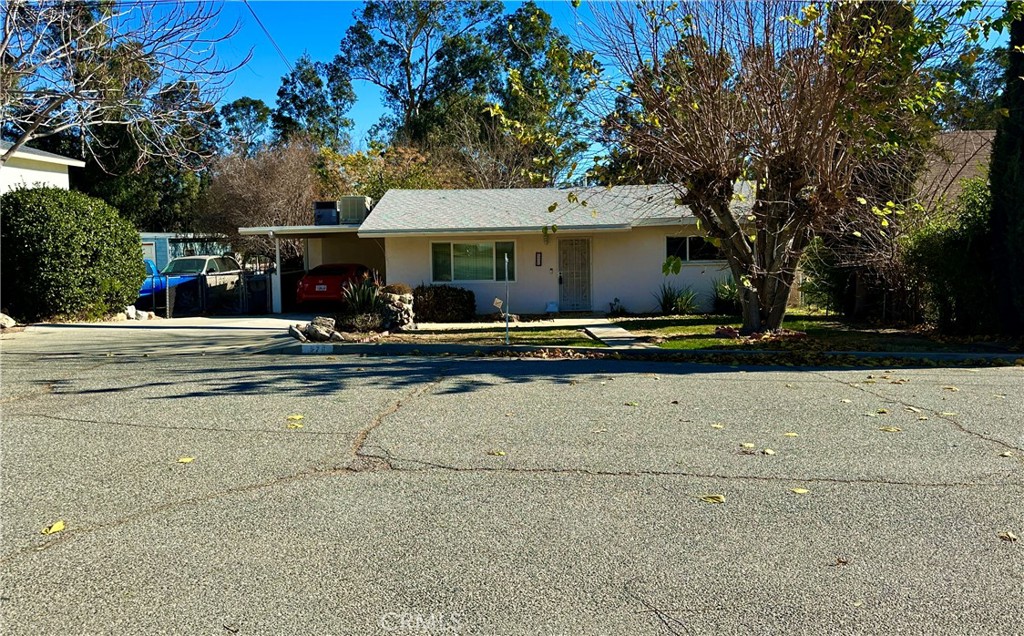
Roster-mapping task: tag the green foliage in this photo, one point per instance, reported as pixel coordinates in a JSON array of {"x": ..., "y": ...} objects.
[
  {"x": 246, "y": 124},
  {"x": 400, "y": 289},
  {"x": 443, "y": 303},
  {"x": 362, "y": 297},
  {"x": 66, "y": 254},
  {"x": 825, "y": 282},
  {"x": 673, "y": 301},
  {"x": 951, "y": 260},
  {"x": 726, "y": 296},
  {"x": 1007, "y": 177},
  {"x": 313, "y": 101}
]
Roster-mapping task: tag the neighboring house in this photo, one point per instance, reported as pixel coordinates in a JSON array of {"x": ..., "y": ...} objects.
[
  {"x": 569, "y": 250},
  {"x": 958, "y": 155},
  {"x": 29, "y": 167},
  {"x": 161, "y": 247}
]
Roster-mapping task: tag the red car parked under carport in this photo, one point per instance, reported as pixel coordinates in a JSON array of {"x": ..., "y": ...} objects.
[{"x": 323, "y": 282}]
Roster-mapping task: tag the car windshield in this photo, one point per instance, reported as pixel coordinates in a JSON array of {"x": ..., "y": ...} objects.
[{"x": 185, "y": 266}]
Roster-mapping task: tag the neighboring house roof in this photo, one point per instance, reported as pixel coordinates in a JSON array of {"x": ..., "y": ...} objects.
[
  {"x": 40, "y": 155},
  {"x": 958, "y": 155},
  {"x": 418, "y": 212}
]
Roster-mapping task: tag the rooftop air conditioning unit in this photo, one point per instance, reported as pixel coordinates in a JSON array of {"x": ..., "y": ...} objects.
[{"x": 325, "y": 213}]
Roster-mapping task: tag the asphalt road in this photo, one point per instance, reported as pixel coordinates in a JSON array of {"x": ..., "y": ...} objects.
[{"x": 486, "y": 496}]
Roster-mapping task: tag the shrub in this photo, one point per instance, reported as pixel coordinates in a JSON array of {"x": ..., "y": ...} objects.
[
  {"x": 397, "y": 288},
  {"x": 65, "y": 254},
  {"x": 362, "y": 323},
  {"x": 726, "y": 296},
  {"x": 443, "y": 303},
  {"x": 362, "y": 297},
  {"x": 675, "y": 301},
  {"x": 616, "y": 309},
  {"x": 686, "y": 302},
  {"x": 950, "y": 259}
]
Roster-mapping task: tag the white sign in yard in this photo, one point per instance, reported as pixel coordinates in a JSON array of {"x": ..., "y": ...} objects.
[{"x": 498, "y": 303}]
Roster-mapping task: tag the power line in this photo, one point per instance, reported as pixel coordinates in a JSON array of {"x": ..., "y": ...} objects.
[{"x": 269, "y": 37}]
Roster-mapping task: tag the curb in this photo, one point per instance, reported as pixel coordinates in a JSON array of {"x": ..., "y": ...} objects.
[{"x": 771, "y": 357}]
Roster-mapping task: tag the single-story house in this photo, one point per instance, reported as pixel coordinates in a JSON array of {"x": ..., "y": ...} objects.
[
  {"x": 578, "y": 249},
  {"x": 29, "y": 167},
  {"x": 568, "y": 250}
]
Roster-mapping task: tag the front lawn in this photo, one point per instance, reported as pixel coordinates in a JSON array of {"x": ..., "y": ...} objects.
[
  {"x": 824, "y": 333},
  {"x": 539, "y": 336}
]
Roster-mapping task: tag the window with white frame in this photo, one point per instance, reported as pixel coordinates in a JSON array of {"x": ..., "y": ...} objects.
[
  {"x": 472, "y": 261},
  {"x": 692, "y": 248}
]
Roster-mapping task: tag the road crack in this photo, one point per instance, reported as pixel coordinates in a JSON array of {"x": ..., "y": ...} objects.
[
  {"x": 938, "y": 414},
  {"x": 428, "y": 466}
]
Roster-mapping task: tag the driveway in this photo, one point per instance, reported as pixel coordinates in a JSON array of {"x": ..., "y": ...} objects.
[{"x": 495, "y": 496}]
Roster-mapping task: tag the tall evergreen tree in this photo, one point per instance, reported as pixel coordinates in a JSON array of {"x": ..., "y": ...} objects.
[{"x": 1007, "y": 182}]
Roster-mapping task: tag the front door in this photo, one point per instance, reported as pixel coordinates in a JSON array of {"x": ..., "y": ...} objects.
[{"x": 574, "y": 274}]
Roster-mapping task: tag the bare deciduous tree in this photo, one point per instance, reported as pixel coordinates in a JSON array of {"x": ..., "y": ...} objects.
[
  {"x": 277, "y": 185},
  {"x": 793, "y": 99},
  {"x": 150, "y": 67}
]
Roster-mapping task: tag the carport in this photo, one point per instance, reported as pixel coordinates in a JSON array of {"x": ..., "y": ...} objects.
[{"x": 321, "y": 244}]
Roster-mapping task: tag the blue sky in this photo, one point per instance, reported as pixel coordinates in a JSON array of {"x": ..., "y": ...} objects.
[{"x": 316, "y": 28}]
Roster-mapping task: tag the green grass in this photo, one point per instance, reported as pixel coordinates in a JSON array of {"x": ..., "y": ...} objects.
[
  {"x": 523, "y": 335},
  {"x": 824, "y": 333}
]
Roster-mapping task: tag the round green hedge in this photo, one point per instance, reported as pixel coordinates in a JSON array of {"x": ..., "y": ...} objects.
[{"x": 65, "y": 254}]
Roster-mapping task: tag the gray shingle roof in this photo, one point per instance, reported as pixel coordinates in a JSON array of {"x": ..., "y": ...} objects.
[
  {"x": 41, "y": 155},
  {"x": 524, "y": 209}
]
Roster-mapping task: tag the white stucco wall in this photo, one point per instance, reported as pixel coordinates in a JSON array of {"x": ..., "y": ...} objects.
[
  {"x": 29, "y": 173},
  {"x": 624, "y": 265}
]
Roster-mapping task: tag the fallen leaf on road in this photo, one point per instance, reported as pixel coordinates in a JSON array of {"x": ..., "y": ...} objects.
[
  {"x": 496, "y": 453},
  {"x": 950, "y": 388},
  {"x": 858, "y": 603},
  {"x": 717, "y": 425},
  {"x": 882, "y": 411},
  {"x": 58, "y": 526},
  {"x": 294, "y": 425},
  {"x": 632, "y": 404},
  {"x": 746, "y": 445},
  {"x": 791, "y": 434},
  {"x": 768, "y": 451},
  {"x": 948, "y": 413},
  {"x": 1000, "y": 396},
  {"x": 890, "y": 429},
  {"x": 913, "y": 409},
  {"x": 922, "y": 418},
  {"x": 599, "y": 430},
  {"x": 871, "y": 415},
  {"x": 840, "y": 561},
  {"x": 789, "y": 386},
  {"x": 713, "y": 499},
  {"x": 1006, "y": 454},
  {"x": 1007, "y": 536},
  {"x": 295, "y": 418},
  {"x": 800, "y": 491},
  {"x": 186, "y": 460},
  {"x": 846, "y": 400},
  {"x": 674, "y": 402}
]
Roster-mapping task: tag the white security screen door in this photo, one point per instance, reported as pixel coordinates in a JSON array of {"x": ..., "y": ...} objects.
[{"x": 574, "y": 274}]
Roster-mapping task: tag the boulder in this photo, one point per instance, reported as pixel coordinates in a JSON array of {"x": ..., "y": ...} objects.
[
  {"x": 323, "y": 321},
  {"x": 6, "y": 322},
  {"x": 316, "y": 333},
  {"x": 130, "y": 312},
  {"x": 295, "y": 332}
]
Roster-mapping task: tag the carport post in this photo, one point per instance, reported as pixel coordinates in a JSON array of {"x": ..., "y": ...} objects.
[{"x": 275, "y": 282}]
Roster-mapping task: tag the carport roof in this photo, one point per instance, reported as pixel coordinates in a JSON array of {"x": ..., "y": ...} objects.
[{"x": 298, "y": 231}]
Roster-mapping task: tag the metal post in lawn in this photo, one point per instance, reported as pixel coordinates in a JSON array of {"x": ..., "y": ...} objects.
[{"x": 506, "y": 299}]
